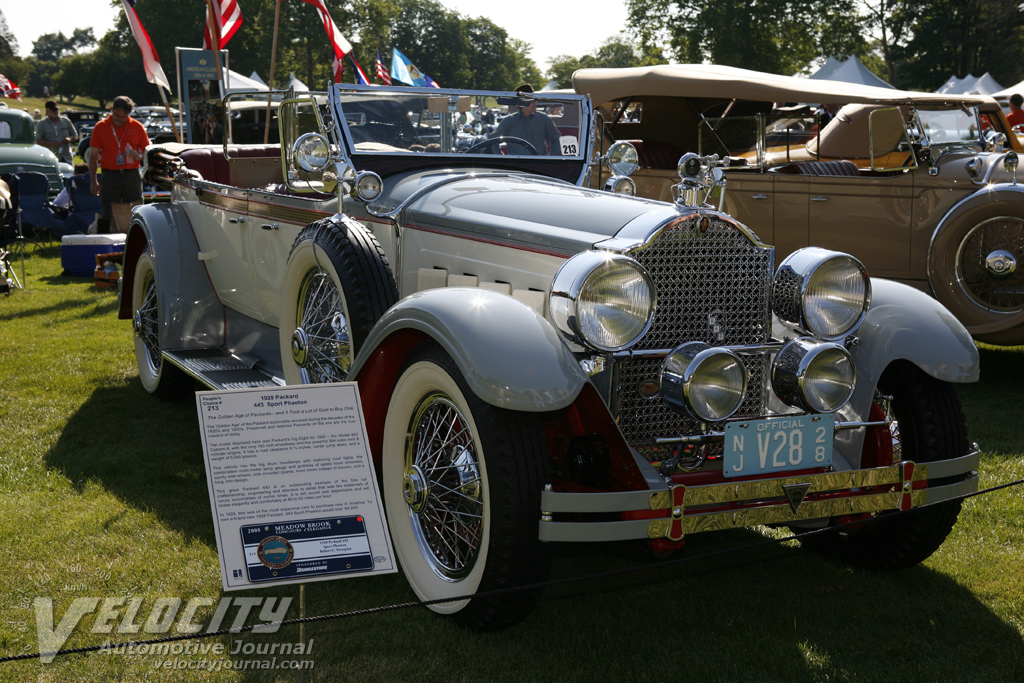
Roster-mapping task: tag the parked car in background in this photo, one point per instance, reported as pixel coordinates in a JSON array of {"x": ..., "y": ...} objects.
[
  {"x": 907, "y": 182},
  {"x": 19, "y": 151},
  {"x": 541, "y": 362}
]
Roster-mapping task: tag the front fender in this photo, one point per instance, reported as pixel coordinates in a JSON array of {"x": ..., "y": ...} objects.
[
  {"x": 904, "y": 323},
  {"x": 510, "y": 356},
  {"x": 191, "y": 314}
]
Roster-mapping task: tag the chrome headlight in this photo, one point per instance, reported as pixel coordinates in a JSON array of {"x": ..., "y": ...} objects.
[
  {"x": 815, "y": 376},
  {"x": 602, "y": 300},
  {"x": 623, "y": 158},
  {"x": 706, "y": 382},
  {"x": 368, "y": 186},
  {"x": 312, "y": 153},
  {"x": 821, "y": 292},
  {"x": 620, "y": 184}
]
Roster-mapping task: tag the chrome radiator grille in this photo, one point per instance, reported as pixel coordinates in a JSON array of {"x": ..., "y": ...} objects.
[{"x": 713, "y": 285}]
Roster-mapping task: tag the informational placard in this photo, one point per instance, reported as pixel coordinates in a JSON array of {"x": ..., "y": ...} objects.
[
  {"x": 292, "y": 485},
  {"x": 200, "y": 87}
]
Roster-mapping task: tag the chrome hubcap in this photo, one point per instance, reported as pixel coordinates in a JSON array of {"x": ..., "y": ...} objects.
[
  {"x": 414, "y": 488},
  {"x": 300, "y": 347},
  {"x": 1000, "y": 264}
]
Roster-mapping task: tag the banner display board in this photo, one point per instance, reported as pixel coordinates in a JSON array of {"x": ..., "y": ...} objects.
[
  {"x": 292, "y": 485},
  {"x": 201, "y": 90}
]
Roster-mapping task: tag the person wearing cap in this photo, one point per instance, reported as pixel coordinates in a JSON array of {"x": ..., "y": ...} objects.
[
  {"x": 530, "y": 125},
  {"x": 116, "y": 147},
  {"x": 56, "y": 132}
]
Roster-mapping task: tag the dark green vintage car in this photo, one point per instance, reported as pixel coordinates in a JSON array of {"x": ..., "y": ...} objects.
[{"x": 19, "y": 151}]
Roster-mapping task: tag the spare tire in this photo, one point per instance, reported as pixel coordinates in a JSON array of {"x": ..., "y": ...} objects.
[{"x": 337, "y": 285}]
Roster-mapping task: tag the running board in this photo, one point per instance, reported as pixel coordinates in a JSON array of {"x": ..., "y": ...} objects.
[{"x": 218, "y": 369}]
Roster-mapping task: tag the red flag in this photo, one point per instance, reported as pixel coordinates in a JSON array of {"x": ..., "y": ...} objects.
[
  {"x": 227, "y": 18},
  {"x": 151, "y": 63},
  {"x": 339, "y": 44},
  {"x": 8, "y": 88},
  {"x": 382, "y": 73}
]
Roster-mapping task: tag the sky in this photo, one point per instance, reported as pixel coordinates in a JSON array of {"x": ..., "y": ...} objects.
[{"x": 573, "y": 27}]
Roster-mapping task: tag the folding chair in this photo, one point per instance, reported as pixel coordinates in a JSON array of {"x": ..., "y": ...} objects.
[
  {"x": 84, "y": 205},
  {"x": 11, "y": 242},
  {"x": 36, "y": 211}
]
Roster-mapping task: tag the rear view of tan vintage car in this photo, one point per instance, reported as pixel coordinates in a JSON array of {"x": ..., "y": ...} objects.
[{"x": 915, "y": 185}]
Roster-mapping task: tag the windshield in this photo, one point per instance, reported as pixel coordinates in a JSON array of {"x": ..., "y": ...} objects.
[
  {"x": 951, "y": 126},
  {"x": 457, "y": 123}
]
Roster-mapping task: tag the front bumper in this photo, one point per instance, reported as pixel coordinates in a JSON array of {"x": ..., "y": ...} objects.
[{"x": 672, "y": 512}]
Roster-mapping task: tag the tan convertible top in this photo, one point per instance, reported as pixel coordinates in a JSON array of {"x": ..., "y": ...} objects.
[{"x": 726, "y": 82}]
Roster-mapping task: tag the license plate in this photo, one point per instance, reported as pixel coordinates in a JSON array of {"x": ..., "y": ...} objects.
[{"x": 778, "y": 444}]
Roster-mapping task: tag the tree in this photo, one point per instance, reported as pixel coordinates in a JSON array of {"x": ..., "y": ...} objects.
[
  {"x": 615, "y": 52},
  {"x": 51, "y": 47},
  {"x": 960, "y": 37},
  {"x": 8, "y": 43},
  {"x": 777, "y": 36}
]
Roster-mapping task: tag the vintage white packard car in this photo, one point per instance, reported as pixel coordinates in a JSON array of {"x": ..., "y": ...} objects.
[{"x": 540, "y": 362}]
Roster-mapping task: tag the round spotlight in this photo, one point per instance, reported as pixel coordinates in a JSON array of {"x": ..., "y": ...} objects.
[
  {"x": 705, "y": 382},
  {"x": 815, "y": 376},
  {"x": 623, "y": 158},
  {"x": 312, "y": 153}
]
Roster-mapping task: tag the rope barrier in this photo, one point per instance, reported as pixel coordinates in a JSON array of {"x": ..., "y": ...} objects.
[{"x": 490, "y": 593}]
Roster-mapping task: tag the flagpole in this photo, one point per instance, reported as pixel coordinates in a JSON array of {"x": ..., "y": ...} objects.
[
  {"x": 222, "y": 77},
  {"x": 170, "y": 117},
  {"x": 273, "y": 63}
]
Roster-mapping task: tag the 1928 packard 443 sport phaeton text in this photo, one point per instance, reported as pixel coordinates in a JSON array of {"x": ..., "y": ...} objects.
[{"x": 541, "y": 362}]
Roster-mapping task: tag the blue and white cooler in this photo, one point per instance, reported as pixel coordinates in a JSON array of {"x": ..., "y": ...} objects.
[{"x": 78, "y": 252}]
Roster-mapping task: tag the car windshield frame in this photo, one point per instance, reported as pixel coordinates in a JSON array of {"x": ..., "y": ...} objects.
[{"x": 380, "y": 127}]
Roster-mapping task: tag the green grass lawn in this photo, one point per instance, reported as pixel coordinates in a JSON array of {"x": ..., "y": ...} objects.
[{"x": 103, "y": 494}]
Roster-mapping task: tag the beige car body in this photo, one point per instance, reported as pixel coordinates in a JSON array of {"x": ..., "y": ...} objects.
[{"x": 944, "y": 217}]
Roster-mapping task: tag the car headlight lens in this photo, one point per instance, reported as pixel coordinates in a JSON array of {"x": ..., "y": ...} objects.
[
  {"x": 814, "y": 376},
  {"x": 368, "y": 186},
  {"x": 620, "y": 184},
  {"x": 601, "y": 300},
  {"x": 821, "y": 292},
  {"x": 703, "y": 381}
]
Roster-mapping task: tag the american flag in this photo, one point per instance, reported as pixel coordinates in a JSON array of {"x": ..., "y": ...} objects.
[
  {"x": 339, "y": 44},
  {"x": 361, "y": 76},
  {"x": 150, "y": 62},
  {"x": 9, "y": 89},
  {"x": 382, "y": 73},
  {"x": 227, "y": 18}
]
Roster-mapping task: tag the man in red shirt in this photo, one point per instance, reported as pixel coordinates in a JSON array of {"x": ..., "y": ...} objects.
[
  {"x": 116, "y": 147},
  {"x": 1016, "y": 115}
]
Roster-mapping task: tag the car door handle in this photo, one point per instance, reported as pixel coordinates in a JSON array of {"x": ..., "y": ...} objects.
[
  {"x": 270, "y": 226},
  {"x": 819, "y": 199},
  {"x": 759, "y": 196},
  {"x": 236, "y": 221}
]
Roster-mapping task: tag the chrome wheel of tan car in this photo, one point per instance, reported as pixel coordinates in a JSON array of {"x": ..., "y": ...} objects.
[
  {"x": 157, "y": 376},
  {"x": 976, "y": 269},
  {"x": 337, "y": 285},
  {"x": 988, "y": 264},
  {"x": 461, "y": 483}
]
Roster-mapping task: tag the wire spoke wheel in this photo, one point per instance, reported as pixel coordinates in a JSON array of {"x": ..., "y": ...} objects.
[
  {"x": 461, "y": 481},
  {"x": 989, "y": 264},
  {"x": 322, "y": 331}
]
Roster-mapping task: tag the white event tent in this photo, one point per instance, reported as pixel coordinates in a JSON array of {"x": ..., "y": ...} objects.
[{"x": 851, "y": 70}]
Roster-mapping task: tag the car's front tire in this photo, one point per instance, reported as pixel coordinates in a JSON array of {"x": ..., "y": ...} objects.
[
  {"x": 461, "y": 484},
  {"x": 927, "y": 424}
]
